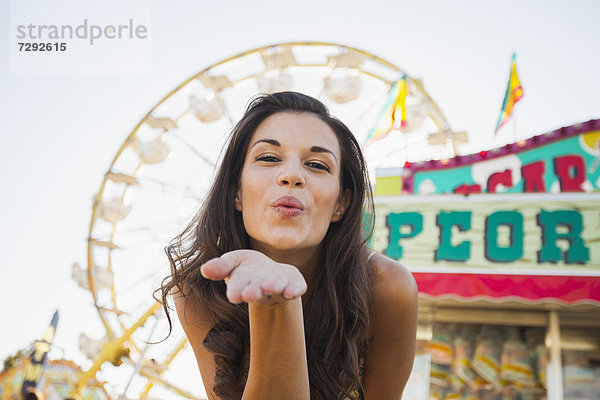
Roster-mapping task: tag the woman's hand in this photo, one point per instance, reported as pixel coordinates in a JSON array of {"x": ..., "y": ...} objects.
[{"x": 251, "y": 277}]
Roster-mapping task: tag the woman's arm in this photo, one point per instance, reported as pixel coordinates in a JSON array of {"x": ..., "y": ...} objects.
[
  {"x": 278, "y": 366},
  {"x": 393, "y": 330}
]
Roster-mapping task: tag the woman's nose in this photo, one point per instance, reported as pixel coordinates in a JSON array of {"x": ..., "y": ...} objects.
[{"x": 292, "y": 175}]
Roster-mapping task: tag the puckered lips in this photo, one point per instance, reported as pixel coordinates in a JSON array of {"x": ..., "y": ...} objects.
[{"x": 288, "y": 206}]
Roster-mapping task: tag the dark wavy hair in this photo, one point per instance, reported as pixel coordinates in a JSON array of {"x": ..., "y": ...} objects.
[{"x": 336, "y": 305}]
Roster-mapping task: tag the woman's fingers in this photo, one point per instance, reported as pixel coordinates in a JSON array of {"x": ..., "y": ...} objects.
[
  {"x": 251, "y": 276},
  {"x": 216, "y": 269},
  {"x": 295, "y": 288},
  {"x": 236, "y": 284},
  {"x": 274, "y": 285},
  {"x": 252, "y": 293},
  {"x": 220, "y": 268},
  {"x": 244, "y": 287}
]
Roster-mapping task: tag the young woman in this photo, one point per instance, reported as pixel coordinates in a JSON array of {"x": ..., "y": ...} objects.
[{"x": 273, "y": 283}]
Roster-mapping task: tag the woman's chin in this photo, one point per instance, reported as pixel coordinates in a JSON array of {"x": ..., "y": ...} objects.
[
  {"x": 284, "y": 245},
  {"x": 279, "y": 244}
]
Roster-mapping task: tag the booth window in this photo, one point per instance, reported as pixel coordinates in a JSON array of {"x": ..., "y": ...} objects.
[{"x": 580, "y": 345}]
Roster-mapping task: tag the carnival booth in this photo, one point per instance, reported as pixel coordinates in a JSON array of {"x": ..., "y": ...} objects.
[{"x": 505, "y": 247}]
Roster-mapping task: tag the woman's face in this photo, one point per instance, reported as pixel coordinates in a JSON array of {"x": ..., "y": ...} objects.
[{"x": 290, "y": 185}]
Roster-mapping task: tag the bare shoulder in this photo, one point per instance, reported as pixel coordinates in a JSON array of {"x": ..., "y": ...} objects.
[
  {"x": 189, "y": 310},
  {"x": 393, "y": 329},
  {"x": 196, "y": 325},
  {"x": 392, "y": 282},
  {"x": 193, "y": 318}
]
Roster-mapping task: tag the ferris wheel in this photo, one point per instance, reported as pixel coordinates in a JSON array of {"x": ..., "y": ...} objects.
[{"x": 160, "y": 174}]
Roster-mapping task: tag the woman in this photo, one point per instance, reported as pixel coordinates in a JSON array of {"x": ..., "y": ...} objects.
[{"x": 273, "y": 283}]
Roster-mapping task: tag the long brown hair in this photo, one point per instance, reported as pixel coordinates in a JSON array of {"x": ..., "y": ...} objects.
[{"x": 336, "y": 306}]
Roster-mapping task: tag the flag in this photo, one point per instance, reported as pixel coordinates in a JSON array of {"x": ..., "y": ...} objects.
[
  {"x": 393, "y": 110},
  {"x": 514, "y": 93}
]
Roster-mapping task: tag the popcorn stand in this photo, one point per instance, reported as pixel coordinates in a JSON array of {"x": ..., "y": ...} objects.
[{"x": 505, "y": 247}]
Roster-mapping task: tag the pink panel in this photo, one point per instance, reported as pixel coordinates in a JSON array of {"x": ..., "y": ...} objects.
[{"x": 533, "y": 288}]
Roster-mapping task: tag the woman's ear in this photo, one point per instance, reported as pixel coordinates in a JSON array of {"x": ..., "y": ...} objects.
[
  {"x": 238, "y": 201},
  {"x": 341, "y": 206}
]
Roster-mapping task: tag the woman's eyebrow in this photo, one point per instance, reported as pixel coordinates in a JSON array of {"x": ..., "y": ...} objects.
[
  {"x": 269, "y": 141},
  {"x": 319, "y": 149},
  {"x": 314, "y": 149}
]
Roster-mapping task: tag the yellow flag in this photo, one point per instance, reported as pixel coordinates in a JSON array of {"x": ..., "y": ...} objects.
[
  {"x": 514, "y": 93},
  {"x": 393, "y": 110}
]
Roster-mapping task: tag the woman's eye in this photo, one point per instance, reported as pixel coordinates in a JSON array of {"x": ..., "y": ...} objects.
[
  {"x": 267, "y": 157},
  {"x": 318, "y": 165}
]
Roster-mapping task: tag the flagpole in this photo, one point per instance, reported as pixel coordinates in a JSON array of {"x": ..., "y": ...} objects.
[
  {"x": 514, "y": 111},
  {"x": 514, "y": 125}
]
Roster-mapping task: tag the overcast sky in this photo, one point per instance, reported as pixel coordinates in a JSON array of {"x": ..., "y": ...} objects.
[{"x": 62, "y": 130}]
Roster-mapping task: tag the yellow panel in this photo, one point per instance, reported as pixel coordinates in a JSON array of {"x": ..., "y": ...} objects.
[{"x": 388, "y": 186}]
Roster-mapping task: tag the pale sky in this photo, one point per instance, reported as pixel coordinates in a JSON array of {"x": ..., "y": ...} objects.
[{"x": 62, "y": 131}]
